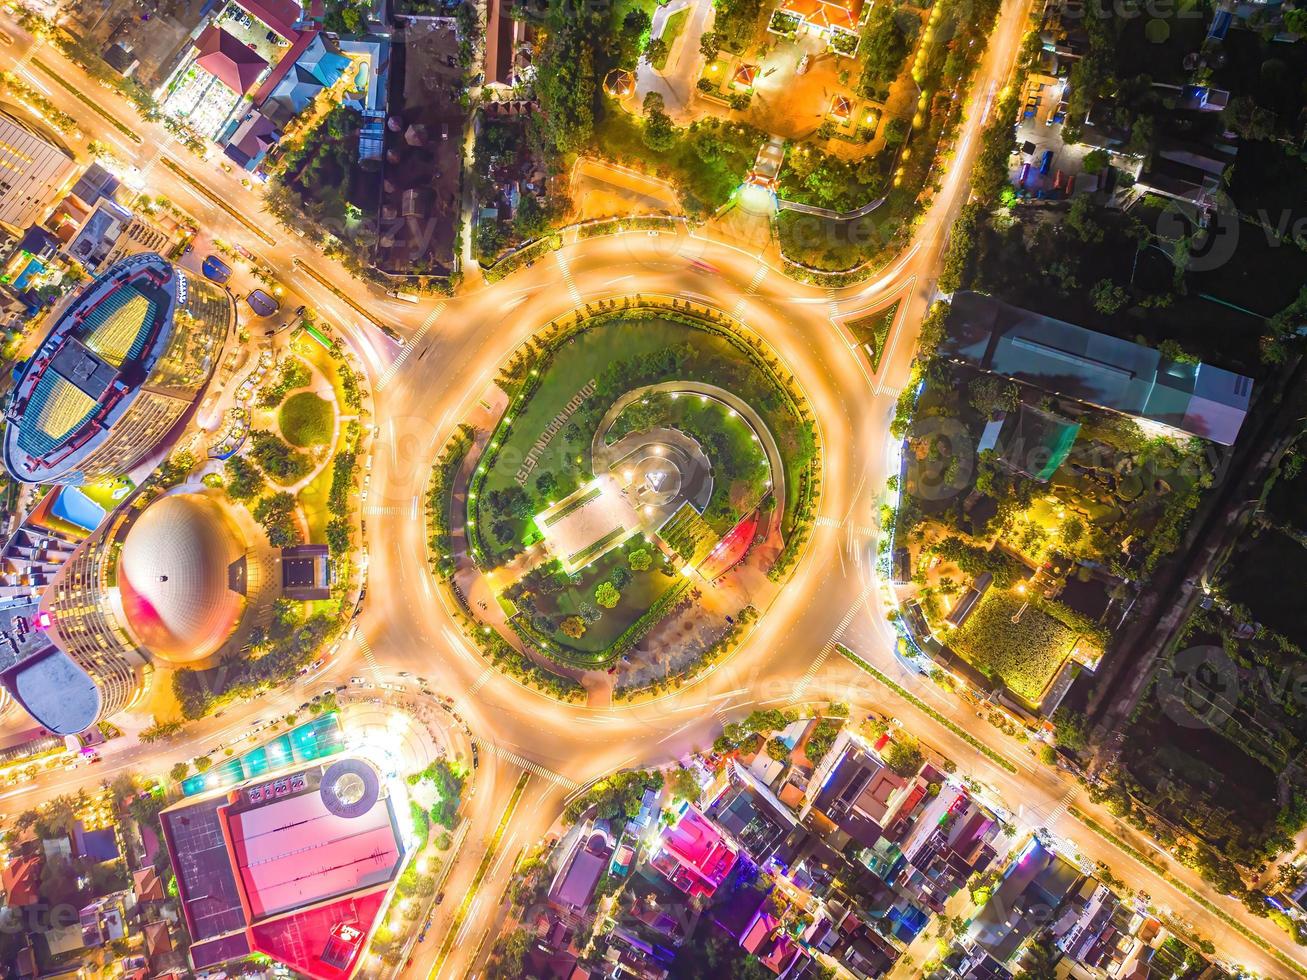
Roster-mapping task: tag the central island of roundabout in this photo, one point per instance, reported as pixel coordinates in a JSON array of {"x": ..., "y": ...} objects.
[{"x": 624, "y": 500}]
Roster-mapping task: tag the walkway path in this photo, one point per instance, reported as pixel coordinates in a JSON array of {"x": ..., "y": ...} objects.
[
  {"x": 775, "y": 463},
  {"x": 676, "y": 83}
]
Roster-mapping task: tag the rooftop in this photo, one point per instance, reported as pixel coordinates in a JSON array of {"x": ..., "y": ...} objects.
[{"x": 1095, "y": 368}]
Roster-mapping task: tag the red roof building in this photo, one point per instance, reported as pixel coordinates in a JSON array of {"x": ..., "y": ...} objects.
[
  {"x": 230, "y": 61},
  {"x": 20, "y": 879},
  {"x": 824, "y": 14},
  {"x": 298, "y": 866},
  {"x": 693, "y": 856}
]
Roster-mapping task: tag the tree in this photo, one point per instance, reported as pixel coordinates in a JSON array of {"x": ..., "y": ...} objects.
[
  {"x": 606, "y": 595},
  {"x": 992, "y": 395},
  {"x": 1108, "y": 297},
  {"x": 1037, "y": 962},
  {"x": 1080, "y": 219},
  {"x": 203, "y": 763},
  {"x": 276, "y": 514},
  {"x": 244, "y": 481},
  {"x": 1096, "y": 161},
  {"x": 640, "y": 559},
  {"x": 683, "y": 785},
  {"x": 777, "y": 749},
  {"x": 565, "y": 82},
  {"x": 709, "y": 45},
  {"x": 904, "y": 756},
  {"x": 574, "y": 626},
  {"x": 179, "y": 771},
  {"x": 1070, "y": 729},
  {"x": 655, "y": 52}
]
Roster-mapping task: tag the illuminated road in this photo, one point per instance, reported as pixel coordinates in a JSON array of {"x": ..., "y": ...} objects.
[{"x": 424, "y": 388}]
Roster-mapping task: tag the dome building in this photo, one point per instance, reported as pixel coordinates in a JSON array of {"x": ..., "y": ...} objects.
[
  {"x": 181, "y": 578},
  {"x": 163, "y": 583}
]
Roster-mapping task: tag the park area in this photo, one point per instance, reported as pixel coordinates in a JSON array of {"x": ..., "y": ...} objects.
[
  {"x": 591, "y": 369},
  {"x": 587, "y": 466}
]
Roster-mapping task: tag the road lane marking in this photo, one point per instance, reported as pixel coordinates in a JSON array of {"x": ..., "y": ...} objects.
[
  {"x": 215, "y": 200},
  {"x": 362, "y": 640},
  {"x": 407, "y": 349},
  {"x": 522, "y": 762},
  {"x": 462, "y": 915}
]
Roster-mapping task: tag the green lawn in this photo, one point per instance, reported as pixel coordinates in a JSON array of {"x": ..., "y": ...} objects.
[
  {"x": 313, "y": 500},
  {"x": 1026, "y": 654},
  {"x": 671, "y": 31},
  {"x": 873, "y": 330},
  {"x": 638, "y": 595},
  {"x": 306, "y": 420},
  {"x": 313, "y": 352}
]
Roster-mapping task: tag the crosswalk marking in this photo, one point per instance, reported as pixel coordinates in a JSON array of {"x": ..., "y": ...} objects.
[
  {"x": 833, "y": 303},
  {"x": 382, "y": 510},
  {"x": 827, "y": 522},
  {"x": 566, "y": 271},
  {"x": 398, "y": 362},
  {"x": 1061, "y": 807},
  {"x": 366, "y": 647},
  {"x": 524, "y": 763},
  {"x": 817, "y": 663},
  {"x": 480, "y": 682}
]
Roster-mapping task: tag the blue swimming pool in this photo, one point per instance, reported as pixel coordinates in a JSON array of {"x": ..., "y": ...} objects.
[{"x": 77, "y": 509}]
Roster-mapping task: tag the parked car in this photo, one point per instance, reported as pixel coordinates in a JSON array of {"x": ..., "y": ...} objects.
[{"x": 1046, "y": 162}]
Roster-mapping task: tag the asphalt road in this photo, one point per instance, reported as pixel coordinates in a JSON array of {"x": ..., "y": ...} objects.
[{"x": 426, "y": 385}]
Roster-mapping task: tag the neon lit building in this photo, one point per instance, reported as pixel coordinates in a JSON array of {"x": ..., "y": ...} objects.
[
  {"x": 298, "y": 867},
  {"x": 124, "y": 363}
]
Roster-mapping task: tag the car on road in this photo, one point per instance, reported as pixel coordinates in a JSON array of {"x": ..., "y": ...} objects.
[
  {"x": 6, "y": 39},
  {"x": 327, "y": 692},
  {"x": 439, "y": 898},
  {"x": 356, "y": 680},
  {"x": 216, "y": 269},
  {"x": 245, "y": 252},
  {"x": 261, "y": 303}
]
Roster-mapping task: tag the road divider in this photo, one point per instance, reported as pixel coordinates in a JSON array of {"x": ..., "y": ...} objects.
[
  {"x": 1180, "y": 886},
  {"x": 87, "y": 101},
  {"x": 345, "y": 298},
  {"x": 218, "y": 202},
  {"x": 456, "y": 926},
  {"x": 997, "y": 758}
]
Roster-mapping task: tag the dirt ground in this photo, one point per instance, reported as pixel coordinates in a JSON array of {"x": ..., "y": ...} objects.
[
  {"x": 155, "y": 30},
  {"x": 428, "y": 150}
]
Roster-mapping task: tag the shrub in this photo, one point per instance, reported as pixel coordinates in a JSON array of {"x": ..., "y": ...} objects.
[
  {"x": 306, "y": 420},
  {"x": 606, "y": 595},
  {"x": 244, "y": 481},
  {"x": 639, "y": 560}
]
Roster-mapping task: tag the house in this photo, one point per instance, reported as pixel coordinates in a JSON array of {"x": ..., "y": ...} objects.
[
  {"x": 158, "y": 940},
  {"x": 306, "y": 572},
  {"x": 254, "y": 136},
  {"x": 950, "y": 841},
  {"x": 827, "y": 16},
  {"x": 21, "y": 880},
  {"x": 1025, "y": 900},
  {"x": 104, "y": 920},
  {"x": 1035, "y": 442},
  {"x": 775, "y": 949},
  {"x": 1194, "y": 399},
  {"x": 578, "y": 876},
  {"x": 147, "y": 885},
  {"x": 316, "y": 69},
  {"x": 692, "y": 854},
  {"x": 855, "y": 790},
  {"x": 755, "y": 820},
  {"x": 230, "y": 61}
]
